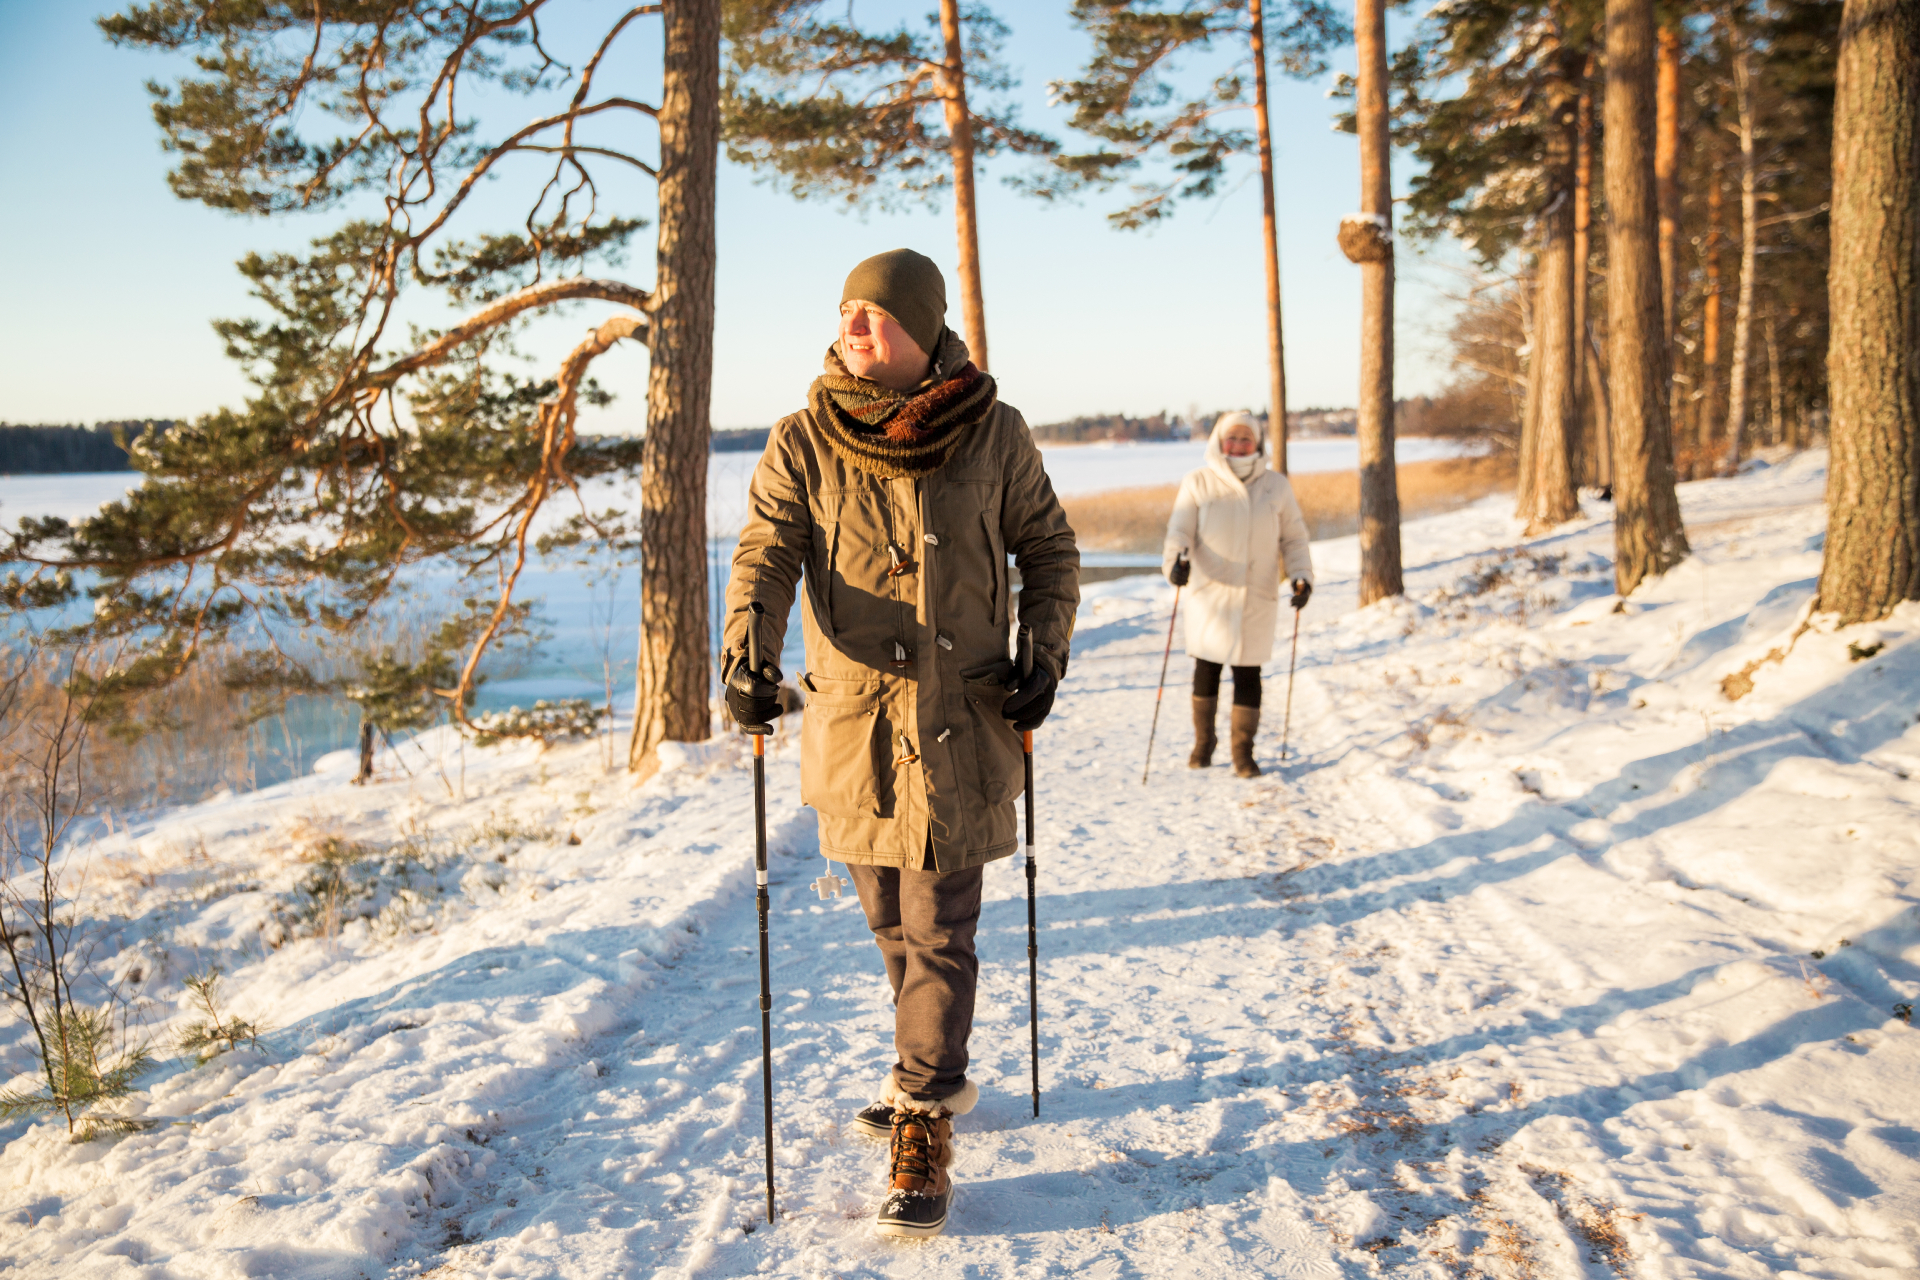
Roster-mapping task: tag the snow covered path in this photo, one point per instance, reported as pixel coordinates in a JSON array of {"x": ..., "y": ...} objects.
[{"x": 1541, "y": 958}]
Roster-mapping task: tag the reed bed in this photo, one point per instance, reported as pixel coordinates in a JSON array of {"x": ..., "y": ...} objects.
[{"x": 1136, "y": 519}]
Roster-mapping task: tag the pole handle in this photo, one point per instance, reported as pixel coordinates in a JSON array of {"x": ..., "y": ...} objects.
[{"x": 755, "y": 612}]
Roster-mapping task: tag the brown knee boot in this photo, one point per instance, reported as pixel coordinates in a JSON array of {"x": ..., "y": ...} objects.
[
  {"x": 1246, "y": 722},
  {"x": 1205, "y": 711}
]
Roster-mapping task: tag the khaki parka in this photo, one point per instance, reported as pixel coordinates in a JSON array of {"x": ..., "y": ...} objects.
[{"x": 904, "y": 751}]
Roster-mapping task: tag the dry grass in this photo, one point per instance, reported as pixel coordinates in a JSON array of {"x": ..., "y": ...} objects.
[{"x": 1136, "y": 519}]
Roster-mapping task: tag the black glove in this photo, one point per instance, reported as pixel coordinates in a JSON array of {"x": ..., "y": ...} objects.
[
  {"x": 1302, "y": 592},
  {"x": 1031, "y": 699},
  {"x": 1181, "y": 573},
  {"x": 753, "y": 698}
]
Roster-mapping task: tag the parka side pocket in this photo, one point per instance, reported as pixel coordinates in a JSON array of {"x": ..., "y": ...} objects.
[
  {"x": 839, "y": 760},
  {"x": 996, "y": 743}
]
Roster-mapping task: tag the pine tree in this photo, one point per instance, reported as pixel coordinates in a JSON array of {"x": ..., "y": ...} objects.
[
  {"x": 1504, "y": 152},
  {"x": 1368, "y": 241},
  {"x": 1127, "y": 99},
  {"x": 1648, "y": 537},
  {"x": 1872, "y": 560},
  {"x": 365, "y": 448},
  {"x": 828, "y": 108}
]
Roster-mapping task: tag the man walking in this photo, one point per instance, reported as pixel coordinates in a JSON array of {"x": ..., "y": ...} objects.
[{"x": 898, "y": 494}]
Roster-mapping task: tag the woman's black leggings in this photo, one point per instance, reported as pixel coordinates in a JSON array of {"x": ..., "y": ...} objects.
[{"x": 1246, "y": 683}]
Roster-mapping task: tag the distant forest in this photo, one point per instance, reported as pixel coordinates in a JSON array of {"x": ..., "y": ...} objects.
[
  {"x": 45, "y": 449},
  {"x": 48, "y": 449}
]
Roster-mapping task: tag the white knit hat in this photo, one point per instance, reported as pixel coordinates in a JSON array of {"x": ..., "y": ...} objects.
[{"x": 1237, "y": 418}]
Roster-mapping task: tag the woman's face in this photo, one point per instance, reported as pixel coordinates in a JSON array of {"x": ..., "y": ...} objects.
[{"x": 1238, "y": 440}]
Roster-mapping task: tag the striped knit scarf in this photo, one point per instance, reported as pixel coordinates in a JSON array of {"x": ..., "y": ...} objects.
[{"x": 901, "y": 435}]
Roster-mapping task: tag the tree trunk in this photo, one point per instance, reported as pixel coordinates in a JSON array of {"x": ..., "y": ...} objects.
[
  {"x": 1588, "y": 456},
  {"x": 1550, "y": 495},
  {"x": 1873, "y": 355},
  {"x": 1528, "y": 289},
  {"x": 1666, "y": 177},
  {"x": 671, "y": 675},
  {"x": 365, "y": 772},
  {"x": 966, "y": 221},
  {"x": 1270, "y": 235},
  {"x": 1776, "y": 418},
  {"x": 1648, "y": 537},
  {"x": 1707, "y": 421},
  {"x": 1749, "y": 215},
  {"x": 1603, "y": 414},
  {"x": 1379, "y": 487}
]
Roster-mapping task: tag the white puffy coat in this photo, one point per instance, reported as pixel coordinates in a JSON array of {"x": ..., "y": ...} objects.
[{"x": 1238, "y": 537}]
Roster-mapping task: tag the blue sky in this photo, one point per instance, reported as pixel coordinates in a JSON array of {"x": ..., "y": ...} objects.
[{"x": 112, "y": 280}]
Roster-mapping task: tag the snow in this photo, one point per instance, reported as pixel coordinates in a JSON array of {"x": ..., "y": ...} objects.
[{"x": 1539, "y": 956}]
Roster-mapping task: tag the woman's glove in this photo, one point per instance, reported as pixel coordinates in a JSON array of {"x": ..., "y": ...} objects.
[
  {"x": 753, "y": 698},
  {"x": 1181, "y": 573},
  {"x": 1302, "y": 592},
  {"x": 1030, "y": 699}
]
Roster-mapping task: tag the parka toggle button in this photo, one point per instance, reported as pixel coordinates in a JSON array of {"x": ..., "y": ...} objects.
[
  {"x": 943, "y": 642},
  {"x": 900, "y": 655},
  {"x": 907, "y": 754},
  {"x": 898, "y": 561}
]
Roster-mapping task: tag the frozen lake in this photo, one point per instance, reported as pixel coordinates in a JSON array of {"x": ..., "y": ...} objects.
[{"x": 589, "y": 618}]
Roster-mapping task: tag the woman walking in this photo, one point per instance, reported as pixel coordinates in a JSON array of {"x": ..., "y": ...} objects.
[{"x": 1235, "y": 526}]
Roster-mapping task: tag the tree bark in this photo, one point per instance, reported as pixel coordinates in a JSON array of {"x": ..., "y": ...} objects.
[
  {"x": 1603, "y": 413},
  {"x": 966, "y": 223},
  {"x": 1589, "y": 456},
  {"x": 1648, "y": 536},
  {"x": 1270, "y": 235},
  {"x": 671, "y": 675},
  {"x": 1872, "y": 559},
  {"x": 1666, "y": 177},
  {"x": 1379, "y": 486},
  {"x": 1707, "y": 421},
  {"x": 1776, "y": 417},
  {"x": 1550, "y": 497},
  {"x": 1737, "y": 379}
]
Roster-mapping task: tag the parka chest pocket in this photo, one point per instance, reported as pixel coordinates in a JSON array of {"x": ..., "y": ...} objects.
[{"x": 840, "y": 746}]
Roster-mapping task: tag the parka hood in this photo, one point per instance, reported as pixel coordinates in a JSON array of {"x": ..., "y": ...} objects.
[{"x": 1217, "y": 457}]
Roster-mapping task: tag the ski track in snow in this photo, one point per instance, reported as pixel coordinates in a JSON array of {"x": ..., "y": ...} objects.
[{"x": 1510, "y": 970}]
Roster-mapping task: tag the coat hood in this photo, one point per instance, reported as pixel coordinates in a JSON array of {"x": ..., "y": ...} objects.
[{"x": 1217, "y": 458}]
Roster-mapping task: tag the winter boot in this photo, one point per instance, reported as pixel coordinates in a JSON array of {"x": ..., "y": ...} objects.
[
  {"x": 919, "y": 1184},
  {"x": 875, "y": 1120},
  {"x": 1246, "y": 722},
  {"x": 1204, "y": 740}
]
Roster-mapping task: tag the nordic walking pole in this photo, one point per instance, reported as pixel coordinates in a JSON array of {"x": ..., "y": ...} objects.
[
  {"x": 1162, "y": 689},
  {"x": 1293, "y": 656},
  {"x": 759, "y": 734},
  {"x": 1024, "y": 656}
]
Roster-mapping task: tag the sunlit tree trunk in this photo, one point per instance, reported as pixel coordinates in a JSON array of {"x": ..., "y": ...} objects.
[
  {"x": 1648, "y": 537},
  {"x": 1707, "y": 422},
  {"x": 1270, "y": 235},
  {"x": 1666, "y": 177},
  {"x": 1592, "y": 444},
  {"x": 1550, "y": 495},
  {"x": 1872, "y": 560},
  {"x": 1379, "y": 491},
  {"x": 671, "y": 675},
  {"x": 1737, "y": 379},
  {"x": 966, "y": 221}
]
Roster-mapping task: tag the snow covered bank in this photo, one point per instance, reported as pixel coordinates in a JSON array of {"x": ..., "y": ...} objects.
[{"x": 1542, "y": 957}]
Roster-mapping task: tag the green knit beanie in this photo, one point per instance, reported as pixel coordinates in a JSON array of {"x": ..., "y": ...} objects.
[{"x": 907, "y": 286}]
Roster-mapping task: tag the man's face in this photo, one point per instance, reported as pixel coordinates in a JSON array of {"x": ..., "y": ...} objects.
[
  {"x": 1238, "y": 441},
  {"x": 873, "y": 345}
]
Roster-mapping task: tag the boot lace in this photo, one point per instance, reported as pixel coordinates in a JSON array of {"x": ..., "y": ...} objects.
[{"x": 912, "y": 1146}]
